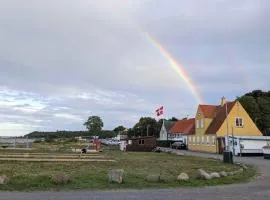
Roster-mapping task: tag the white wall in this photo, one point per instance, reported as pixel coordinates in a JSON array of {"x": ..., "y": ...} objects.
[{"x": 163, "y": 133}]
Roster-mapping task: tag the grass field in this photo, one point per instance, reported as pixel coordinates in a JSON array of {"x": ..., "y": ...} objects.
[{"x": 27, "y": 176}]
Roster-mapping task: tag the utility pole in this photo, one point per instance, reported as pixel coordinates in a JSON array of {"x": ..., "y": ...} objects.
[
  {"x": 233, "y": 140},
  {"x": 227, "y": 148},
  {"x": 148, "y": 125}
]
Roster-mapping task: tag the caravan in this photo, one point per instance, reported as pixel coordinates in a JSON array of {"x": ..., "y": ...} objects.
[{"x": 247, "y": 145}]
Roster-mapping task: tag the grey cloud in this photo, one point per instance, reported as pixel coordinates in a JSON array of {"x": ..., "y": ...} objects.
[{"x": 62, "y": 61}]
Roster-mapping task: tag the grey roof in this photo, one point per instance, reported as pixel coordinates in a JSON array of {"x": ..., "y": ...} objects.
[{"x": 168, "y": 124}]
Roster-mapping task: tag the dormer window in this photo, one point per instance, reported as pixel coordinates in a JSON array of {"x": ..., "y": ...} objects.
[{"x": 239, "y": 122}]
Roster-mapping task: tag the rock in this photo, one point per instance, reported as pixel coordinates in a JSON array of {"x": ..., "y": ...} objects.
[
  {"x": 153, "y": 178},
  {"x": 201, "y": 174},
  {"x": 223, "y": 173},
  {"x": 3, "y": 180},
  {"x": 230, "y": 173},
  {"x": 116, "y": 176},
  {"x": 244, "y": 167},
  {"x": 167, "y": 178},
  {"x": 183, "y": 177},
  {"x": 239, "y": 171},
  {"x": 60, "y": 179},
  {"x": 214, "y": 175}
]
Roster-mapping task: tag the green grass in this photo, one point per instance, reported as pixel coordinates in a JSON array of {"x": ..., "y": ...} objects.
[{"x": 28, "y": 176}]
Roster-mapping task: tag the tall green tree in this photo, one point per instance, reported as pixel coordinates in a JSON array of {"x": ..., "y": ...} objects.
[
  {"x": 144, "y": 126},
  {"x": 94, "y": 124},
  {"x": 119, "y": 128}
]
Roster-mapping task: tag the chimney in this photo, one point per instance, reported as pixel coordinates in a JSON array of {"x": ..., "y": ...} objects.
[{"x": 223, "y": 101}]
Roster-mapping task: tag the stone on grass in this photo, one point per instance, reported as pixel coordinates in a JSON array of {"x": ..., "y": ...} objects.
[
  {"x": 244, "y": 167},
  {"x": 3, "y": 180},
  {"x": 60, "y": 179},
  {"x": 183, "y": 177},
  {"x": 230, "y": 173},
  {"x": 223, "y": 173},
  {"x": 201, "y": 174},
  {"x": 116, "y": 176},
  {"x": 166, "y": 178},
  {"x": 214, "y": 175},
  {"x": 153, "y": 178},
  {"x": 239, "y": 171}
]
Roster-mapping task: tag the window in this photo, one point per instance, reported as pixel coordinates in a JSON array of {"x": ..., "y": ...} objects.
[
  {"x": 141, "y": 141},
  {"x": 207, "y": 139},
  {"x": 213, "y": 140},
  {"x": 198, "y": 139},
  {"x": 194, "y": 139},
  {"x": 197, "y": 124},
  {"x": 202, "y": 139},
  {"x": 238, "y": 122},
  {"x": 201, "y": 123},
  {"x": 189, "y": 138}
]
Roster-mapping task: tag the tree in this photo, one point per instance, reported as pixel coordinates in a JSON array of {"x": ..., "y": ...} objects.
[
  {"x": 119, "y": 128},
  {"x": 94, "y": 124},
  {"x": 146, "y": 125},
  {"x": 174, "y": 119}
]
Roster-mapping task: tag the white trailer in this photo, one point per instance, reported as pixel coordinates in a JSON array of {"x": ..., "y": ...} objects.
[{"x": 246, "y": 145}]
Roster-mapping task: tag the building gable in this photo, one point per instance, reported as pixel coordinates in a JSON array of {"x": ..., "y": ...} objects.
[
  {"x": 204, "y": 117},
  {"x": 239, "y": 123}
]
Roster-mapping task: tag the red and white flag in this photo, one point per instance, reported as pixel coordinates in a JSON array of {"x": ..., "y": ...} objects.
[{"x": 159, "y": 111}]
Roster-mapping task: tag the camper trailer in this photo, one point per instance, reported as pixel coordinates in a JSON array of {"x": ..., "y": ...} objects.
[{"x": 247, "y": 145}]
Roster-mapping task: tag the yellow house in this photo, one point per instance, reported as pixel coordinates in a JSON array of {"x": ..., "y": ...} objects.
[{"x": 212, "y": 125}]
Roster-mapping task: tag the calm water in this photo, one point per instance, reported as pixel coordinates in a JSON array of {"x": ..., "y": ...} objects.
[{"x": 18, "y": 140}]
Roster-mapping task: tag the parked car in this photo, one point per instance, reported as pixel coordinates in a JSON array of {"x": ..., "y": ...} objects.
[{"x": 179, "y": 145}]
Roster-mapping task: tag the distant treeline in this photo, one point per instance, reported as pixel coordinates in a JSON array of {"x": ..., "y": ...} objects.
[
  {"x": 256, "y": 103},
  {"x": 69, "y": 134}
]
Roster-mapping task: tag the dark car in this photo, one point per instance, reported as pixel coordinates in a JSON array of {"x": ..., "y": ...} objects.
[{"x": 179, "y": 145}]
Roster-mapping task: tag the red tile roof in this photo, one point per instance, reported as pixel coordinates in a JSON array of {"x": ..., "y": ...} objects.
[
  {"x": 208, "y": 110},
  {"x": 219, "y": 118},
  {"x": 184, "y": 127}
]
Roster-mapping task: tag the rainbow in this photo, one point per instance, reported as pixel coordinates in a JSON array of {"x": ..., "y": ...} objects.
[{"x": 179, "y": 69}]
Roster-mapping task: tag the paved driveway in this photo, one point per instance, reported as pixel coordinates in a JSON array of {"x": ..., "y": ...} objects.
[{"x": 256, "y": 190}]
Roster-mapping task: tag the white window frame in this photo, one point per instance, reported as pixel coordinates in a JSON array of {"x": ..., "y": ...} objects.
[
  {"x": 197, "y": 123},
  {"x": 213, "y": 141},
  {"x": 202, "y": 140},
  {"x": 240, "y": 119},
  {"x": 207, "y": 140},
  {"x": 201, "y": 123}
]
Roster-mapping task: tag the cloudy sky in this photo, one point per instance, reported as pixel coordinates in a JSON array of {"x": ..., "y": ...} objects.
[{"x": 64, "y": 60}]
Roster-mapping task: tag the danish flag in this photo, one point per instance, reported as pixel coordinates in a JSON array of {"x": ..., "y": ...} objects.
[{"x": 159, "y": 111}]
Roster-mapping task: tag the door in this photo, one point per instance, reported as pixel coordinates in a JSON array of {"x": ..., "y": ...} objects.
[{"x": 221, "y": 144}]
